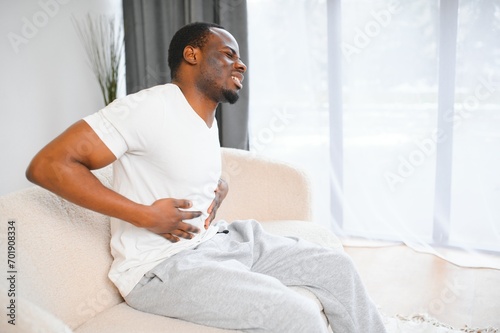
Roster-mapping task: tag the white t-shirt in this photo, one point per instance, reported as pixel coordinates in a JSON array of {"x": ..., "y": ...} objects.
[{"x": 163, "y": 150}]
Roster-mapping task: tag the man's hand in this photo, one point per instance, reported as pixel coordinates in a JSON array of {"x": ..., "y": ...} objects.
[
  {"x": 220, "y": 194},
  {"x": 166, "y": 219}
]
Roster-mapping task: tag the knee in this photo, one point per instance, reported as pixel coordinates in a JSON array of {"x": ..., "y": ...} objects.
[
  {"x": 345, "y": 263},
  {"x": 325, "y": 264},
  {"x": 293, "y": 314},
  {"x": 306, "y": 317}
]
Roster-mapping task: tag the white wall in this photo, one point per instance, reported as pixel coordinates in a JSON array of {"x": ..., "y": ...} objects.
[{"x": 46, "y": 83}]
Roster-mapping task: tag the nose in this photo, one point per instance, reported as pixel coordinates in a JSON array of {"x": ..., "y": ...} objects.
[{"x": 240, "y": 66}]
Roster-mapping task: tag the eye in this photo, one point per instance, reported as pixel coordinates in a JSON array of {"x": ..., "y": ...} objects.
[{"x": 229, "y": 55}]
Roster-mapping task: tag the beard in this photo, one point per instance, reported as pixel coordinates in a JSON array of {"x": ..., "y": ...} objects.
[
  {"x": 210, "y": 86},
  {"x": 230, "y": 96}
]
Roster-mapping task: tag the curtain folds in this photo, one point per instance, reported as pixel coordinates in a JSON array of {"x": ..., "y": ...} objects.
[
  {"x": 395, "y": 117},
  {"x": 149, "y": 27}
]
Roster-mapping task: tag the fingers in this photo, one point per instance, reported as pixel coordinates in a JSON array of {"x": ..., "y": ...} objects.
[
  {"x": 185, "y": 230},
  {"x": 212, "y": 210},
  {"x": 212, "y": 205},
  {"x": 183, "y": 203},
  {"x": 186, "y": 227},
  {"x": 167, "y": 219},
  {"x": 171, "y": 238},
  {"x": 188, "y": 215},
  {"x": 209, "y": 220},
  {"x": 210, "y": 217}
]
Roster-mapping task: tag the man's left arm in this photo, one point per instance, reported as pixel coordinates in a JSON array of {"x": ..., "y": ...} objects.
[{"x": 220, "y": 194}]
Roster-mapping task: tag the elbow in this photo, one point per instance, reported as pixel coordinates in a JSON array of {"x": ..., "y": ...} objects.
[
  {"x": 32, "y": 171},
  {"x": 36, "y": 170}
]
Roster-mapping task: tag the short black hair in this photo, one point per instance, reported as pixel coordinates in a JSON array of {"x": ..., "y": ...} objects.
[{"x": 194, "y": 34}]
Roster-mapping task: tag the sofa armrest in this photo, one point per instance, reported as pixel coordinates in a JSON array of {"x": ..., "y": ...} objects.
[{"x": 263, "y": 189}]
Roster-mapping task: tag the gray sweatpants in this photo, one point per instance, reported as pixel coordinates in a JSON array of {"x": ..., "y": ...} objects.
[{"x": 239, "y": 281}]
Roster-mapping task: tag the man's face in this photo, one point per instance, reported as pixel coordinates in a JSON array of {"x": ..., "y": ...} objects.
[{"x": 221, "y": 70}]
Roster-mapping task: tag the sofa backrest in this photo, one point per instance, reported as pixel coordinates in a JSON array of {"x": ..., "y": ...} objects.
[
  {"x": 263, "y": 189},
  {"x": 62, "y": 254}
]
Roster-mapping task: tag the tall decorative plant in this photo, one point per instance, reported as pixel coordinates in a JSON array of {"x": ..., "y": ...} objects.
[{"x": 102, "y": 37}]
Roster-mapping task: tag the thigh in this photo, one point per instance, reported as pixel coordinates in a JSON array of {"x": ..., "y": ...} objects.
[
  {"x": 292, "y": 260},
  {"x": 299, "y": 262},
  {"x": 208, "y": 287}
]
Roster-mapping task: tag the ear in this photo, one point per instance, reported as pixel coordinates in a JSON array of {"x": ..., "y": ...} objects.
[{"x": 191, "y": 54}]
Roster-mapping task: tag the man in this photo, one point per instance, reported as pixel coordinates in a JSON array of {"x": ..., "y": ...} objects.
[{"x": 169, "y": 258}]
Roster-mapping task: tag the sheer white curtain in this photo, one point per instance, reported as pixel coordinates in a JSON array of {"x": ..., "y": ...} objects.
[
  {"x": 288, "y": 65},
  {"x": 393, "y": 108}
]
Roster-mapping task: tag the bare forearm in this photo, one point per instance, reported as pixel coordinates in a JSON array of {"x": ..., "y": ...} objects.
[
  {"x": 63, "y": 167},
  {"x": 76, "y": 183}
]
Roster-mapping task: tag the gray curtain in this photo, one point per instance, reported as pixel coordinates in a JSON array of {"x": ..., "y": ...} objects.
[{"x": 149, "y": 27}]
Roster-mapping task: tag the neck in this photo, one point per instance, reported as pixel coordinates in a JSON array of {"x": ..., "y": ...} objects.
[{"x": 203, "y": 106}]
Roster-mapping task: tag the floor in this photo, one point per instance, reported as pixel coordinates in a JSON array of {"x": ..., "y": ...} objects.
[{"x": 402, "y": 281}]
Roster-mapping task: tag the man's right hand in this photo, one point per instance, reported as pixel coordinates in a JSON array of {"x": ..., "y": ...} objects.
[{"x": 167, "y": 218}]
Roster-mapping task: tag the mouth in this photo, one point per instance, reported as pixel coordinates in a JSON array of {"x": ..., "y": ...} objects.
[{"x": 237, "y": 79}]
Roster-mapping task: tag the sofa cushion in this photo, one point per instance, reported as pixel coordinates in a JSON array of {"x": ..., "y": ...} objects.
[{"x": 124, "y": 319}]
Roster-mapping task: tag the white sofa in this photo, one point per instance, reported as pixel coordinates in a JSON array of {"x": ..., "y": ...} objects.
[{"x": 62, "y": 252}]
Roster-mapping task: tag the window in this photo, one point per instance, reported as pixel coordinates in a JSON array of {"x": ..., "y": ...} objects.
[{"x": 392, "y": 107}]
